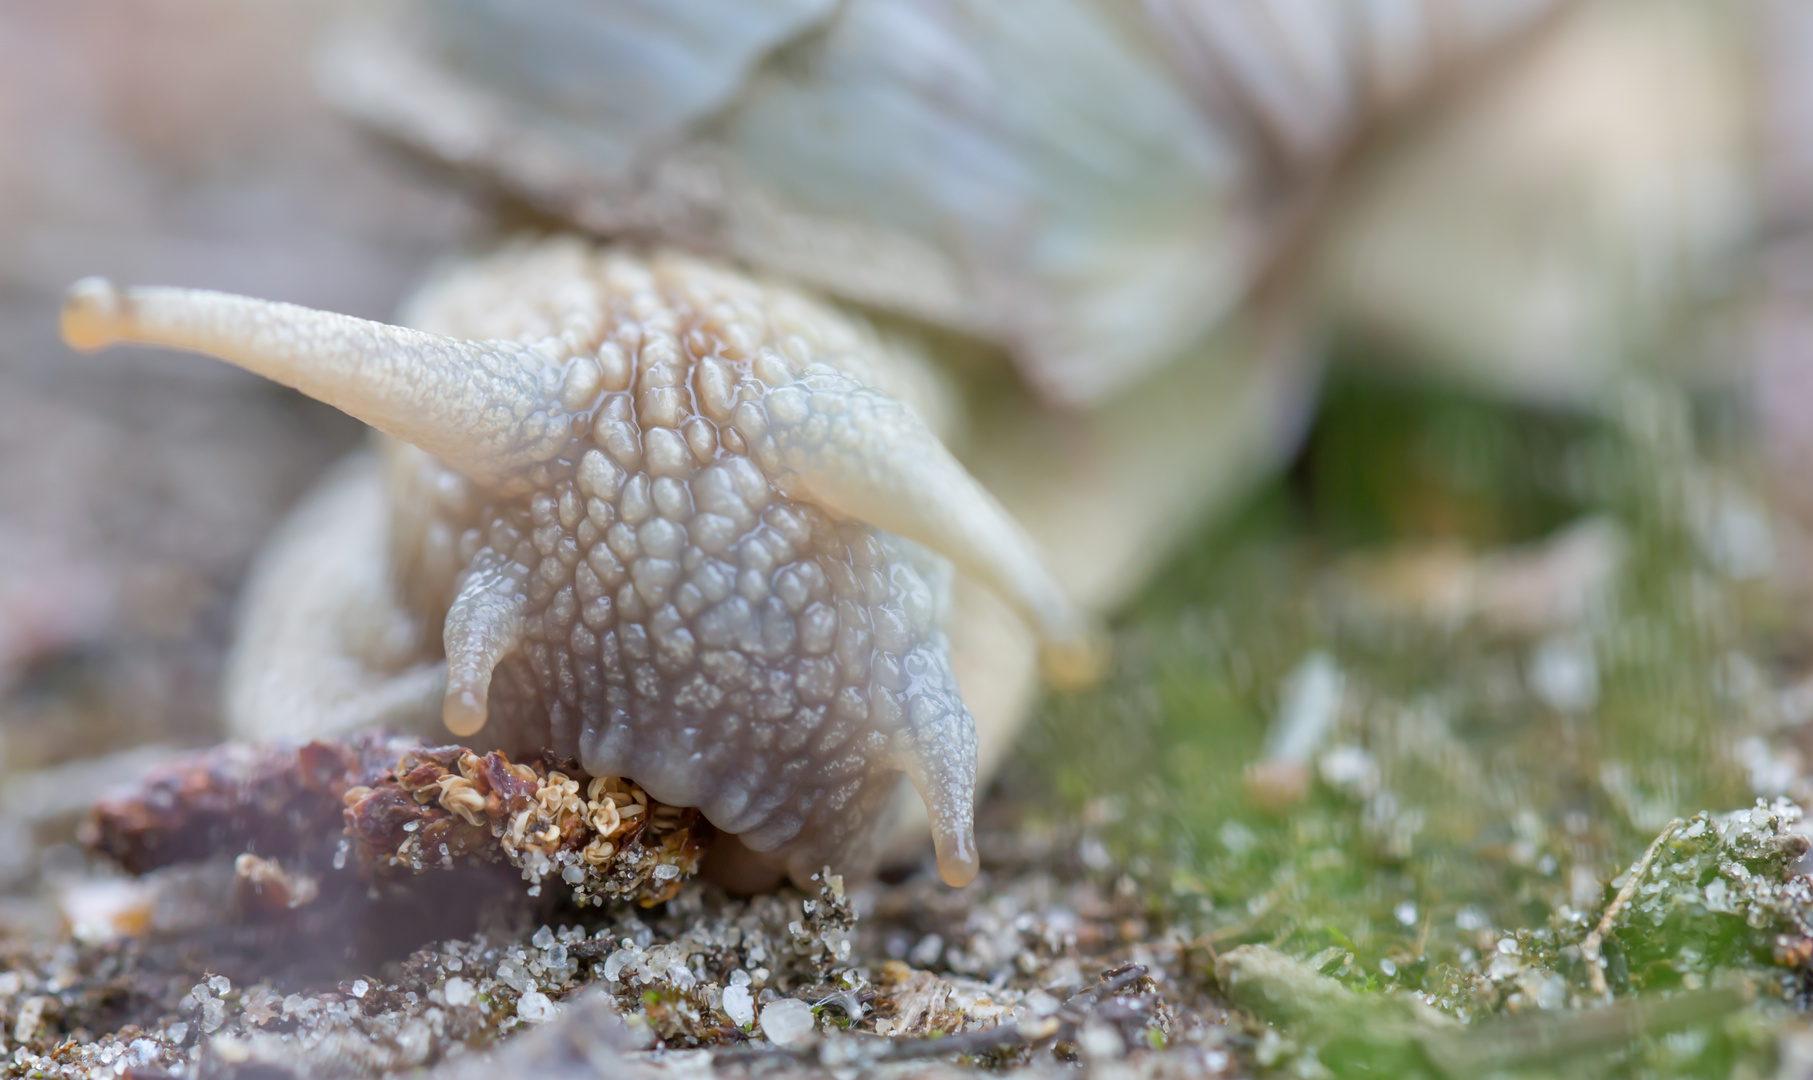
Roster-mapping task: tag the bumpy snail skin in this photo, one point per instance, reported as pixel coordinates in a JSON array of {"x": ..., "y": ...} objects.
[{"x": 670, "y": 522}]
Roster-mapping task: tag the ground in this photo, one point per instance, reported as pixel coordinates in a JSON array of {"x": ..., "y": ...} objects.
[{"x": 1473, "y": 743}]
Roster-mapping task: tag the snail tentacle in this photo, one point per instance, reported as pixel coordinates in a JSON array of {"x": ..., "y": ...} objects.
[
  {"x": 486, "y": 408},
  {"x": 865, "y": 456},
  {"x": 484, "y": 625}
]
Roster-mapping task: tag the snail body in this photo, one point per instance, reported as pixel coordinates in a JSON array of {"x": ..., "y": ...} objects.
[{"x": 670, "y": 524}]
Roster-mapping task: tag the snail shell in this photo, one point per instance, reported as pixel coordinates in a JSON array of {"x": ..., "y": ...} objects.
[
  {"x": 1092, "y": 185},
  {"x": 670, "y": 523}
]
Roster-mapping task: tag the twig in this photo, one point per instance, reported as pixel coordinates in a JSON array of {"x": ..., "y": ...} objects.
[
  {"x": 1504, "y": 1044},
  {"x": 999, "y": 1037},
  {"x": 1590, "y": 948},
  {"x": 1109, "y": 983},
  {"x": 875, "y": 1048}
]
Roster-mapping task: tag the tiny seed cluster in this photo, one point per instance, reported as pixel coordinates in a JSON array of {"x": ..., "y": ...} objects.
[{"x": 599, "y": 837}]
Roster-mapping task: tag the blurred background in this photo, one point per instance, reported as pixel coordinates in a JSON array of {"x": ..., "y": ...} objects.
[
  {"x": 184, "y": 142},
  {"x": 1516, "y": 573}
]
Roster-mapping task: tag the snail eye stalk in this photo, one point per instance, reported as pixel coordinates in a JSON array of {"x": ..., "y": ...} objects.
[{"x": 485, "y": 408}]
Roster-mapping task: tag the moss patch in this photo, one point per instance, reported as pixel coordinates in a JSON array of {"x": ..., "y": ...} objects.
[{"x": 1454, "y": 827}]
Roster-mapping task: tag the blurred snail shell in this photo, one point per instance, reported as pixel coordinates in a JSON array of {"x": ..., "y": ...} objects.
[{"x": 1093, "y": 185}]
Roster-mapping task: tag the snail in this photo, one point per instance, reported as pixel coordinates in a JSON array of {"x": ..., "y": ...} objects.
[
  {"x": 1127, "y": 249},
  {"x": 672, "y": 524}
]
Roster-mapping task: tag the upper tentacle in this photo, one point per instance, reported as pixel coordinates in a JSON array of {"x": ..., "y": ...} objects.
[
  {"x": 486, "y": 408},
  {"x": 862, "y": 455}
]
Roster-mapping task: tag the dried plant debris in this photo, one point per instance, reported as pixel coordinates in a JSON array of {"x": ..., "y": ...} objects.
[
  {"x": 394, "y": 806},
  {"x": 277, "y": 800},
  {"x": 602, "y": 837}
]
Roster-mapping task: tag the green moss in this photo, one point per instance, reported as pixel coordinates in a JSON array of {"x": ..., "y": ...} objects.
[
  {"x": 1462, "y": 829},
  {"x": 1394, "y": 459}
]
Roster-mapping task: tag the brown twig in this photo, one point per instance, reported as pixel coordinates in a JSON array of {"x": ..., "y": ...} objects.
[
  {"x": 385, "y": 805},
  {"x": 1590, "y": 948}
]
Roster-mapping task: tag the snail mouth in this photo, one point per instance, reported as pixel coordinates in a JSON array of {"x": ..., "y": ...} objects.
[{"x": 736, "y": 869}]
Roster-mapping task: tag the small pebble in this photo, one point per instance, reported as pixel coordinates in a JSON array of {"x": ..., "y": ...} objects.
[
  {"x": 787, "y": 1022},
  {"x": 229, "y": 1050},
  {"x": 458, "y": 992},
  {"x": 535, "y": 1007},
  {"x": 738, "y": 1005},
  {"x": 1099, "y": 1042},
  {"x": 616, "y": 962}
]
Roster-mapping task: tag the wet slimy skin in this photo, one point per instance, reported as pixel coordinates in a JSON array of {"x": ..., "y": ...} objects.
[{"x": 671, "y": 523}]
